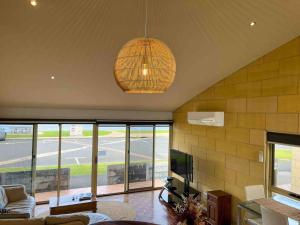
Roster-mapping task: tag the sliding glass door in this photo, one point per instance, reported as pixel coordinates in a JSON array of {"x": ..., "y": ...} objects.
[
  {"x": 46, "y": 178},
  {"x": 76, "y": 158},
  {"x": 141, "y": 149},
  {"x": 57, "y": 159},
  {"x": 16, "y": 155},
  {"x": 64, "y": 159},
  {"x": 132, "y": 157},
  {"x": 162, "y": 145},
  {"x": 111, "y": 159}
]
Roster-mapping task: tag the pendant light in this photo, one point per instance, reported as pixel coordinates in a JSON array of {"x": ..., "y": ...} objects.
[{"x": 145, "y": 65}]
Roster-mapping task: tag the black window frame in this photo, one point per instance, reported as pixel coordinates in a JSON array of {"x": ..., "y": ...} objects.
[{"x": 285, "y": 139}]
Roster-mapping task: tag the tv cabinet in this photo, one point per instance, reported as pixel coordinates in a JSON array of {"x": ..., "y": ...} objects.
[{"x": 171, "y": 193}]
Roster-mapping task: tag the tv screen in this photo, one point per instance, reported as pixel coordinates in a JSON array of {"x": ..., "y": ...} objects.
[{"x": 182, "y": 164}]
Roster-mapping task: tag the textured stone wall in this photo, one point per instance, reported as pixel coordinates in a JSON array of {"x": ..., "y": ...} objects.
[
  {"x": 46, "y": 180},
  {"x": 264, "y": 95}
]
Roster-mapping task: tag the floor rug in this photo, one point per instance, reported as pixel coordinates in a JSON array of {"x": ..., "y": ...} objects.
[
  {"x": 117, "y": 210},
  {"x": 114, "y": 209}
]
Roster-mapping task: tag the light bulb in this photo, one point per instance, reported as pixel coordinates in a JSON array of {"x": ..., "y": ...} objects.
[
  {"x": 145, "y": 70},
  {"x": 33, "y": 2}
]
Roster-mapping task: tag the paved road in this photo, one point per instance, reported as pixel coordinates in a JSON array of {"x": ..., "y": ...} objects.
[{"x": 17, "y": 152}]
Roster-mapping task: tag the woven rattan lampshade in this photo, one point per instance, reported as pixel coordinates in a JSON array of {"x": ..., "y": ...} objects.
[{"x": 145, "y": 65}]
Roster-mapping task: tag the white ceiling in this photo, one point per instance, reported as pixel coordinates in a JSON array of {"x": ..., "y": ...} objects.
[{"x": 78, "y": 40}]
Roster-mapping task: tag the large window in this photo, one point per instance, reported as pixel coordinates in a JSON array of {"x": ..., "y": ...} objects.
[
  {"x": 162, "y": 143},
  {"x": 76, "y": 158},
  {"x": 46, "y": 179},
  {"x": 140, "y": 170},
  {"x": 131, "y": 157},
  {"x": 67, "y": 163},
  {"x": 111, "y": 159},
  {"x": 284, "y": 163},
  {"x": 58, "y": 158},
  {"x": 16, "y": 155}
]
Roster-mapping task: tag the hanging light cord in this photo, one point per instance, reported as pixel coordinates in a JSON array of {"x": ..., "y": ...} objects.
[{"x": 146, "y": 18}]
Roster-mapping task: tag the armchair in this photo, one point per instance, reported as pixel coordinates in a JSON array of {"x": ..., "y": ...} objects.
[{"x": 15, "y": 199}]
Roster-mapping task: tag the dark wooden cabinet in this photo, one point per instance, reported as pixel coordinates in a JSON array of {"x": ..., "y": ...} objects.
[{"x": 218, "y": 208}]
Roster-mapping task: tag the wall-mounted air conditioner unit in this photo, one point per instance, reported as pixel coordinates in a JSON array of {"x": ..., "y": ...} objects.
[{"x": 206, "y": 118}]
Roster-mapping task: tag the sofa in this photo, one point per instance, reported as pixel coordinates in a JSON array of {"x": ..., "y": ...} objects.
[
  {"x": 65, "y": 219},
  {"x": 17, "y": 208},
  {"x": 50, "y": 220},
  {"x": 15, "y": 200}
]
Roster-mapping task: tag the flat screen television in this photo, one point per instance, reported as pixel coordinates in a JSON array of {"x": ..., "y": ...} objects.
[{"x": 182, "y": 164}]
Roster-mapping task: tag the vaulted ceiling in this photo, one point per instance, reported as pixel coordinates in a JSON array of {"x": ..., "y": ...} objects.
[{"x": 77, "y": 42}]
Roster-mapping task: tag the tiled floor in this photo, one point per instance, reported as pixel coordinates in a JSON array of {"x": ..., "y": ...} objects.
[
  {"x": 147, "y": 205},
  {"x": 108, "y": 189},
  {"x": 101, "y": 190}
]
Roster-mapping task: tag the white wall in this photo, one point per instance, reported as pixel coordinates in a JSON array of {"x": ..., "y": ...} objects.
[{"x": 50, "y": 113}]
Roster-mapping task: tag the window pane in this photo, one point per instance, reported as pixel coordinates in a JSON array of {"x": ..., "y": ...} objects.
[
  {"x": 140, "y": 157},
  {"x": 287, "y": 168},
  {"x": 46, "y": 162},
  {"x": 111, "y": 159},
  {"x": 161, "y": 154},
  {"x": 76, "y": 158},
  {"x": 16, "y": 155}
]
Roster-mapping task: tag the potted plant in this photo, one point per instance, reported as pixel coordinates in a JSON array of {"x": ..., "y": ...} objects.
[{"x": 190, "y": 211}]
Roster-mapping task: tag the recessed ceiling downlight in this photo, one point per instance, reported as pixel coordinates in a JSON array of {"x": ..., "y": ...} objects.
[
  {"x": 33, "y": 2},
  {"x": 52, "y": 77},
  {"x": 252, "y": 23}
]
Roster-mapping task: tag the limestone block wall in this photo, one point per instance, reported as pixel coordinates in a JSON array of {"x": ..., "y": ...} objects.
[{"x": 262, "y": 96}]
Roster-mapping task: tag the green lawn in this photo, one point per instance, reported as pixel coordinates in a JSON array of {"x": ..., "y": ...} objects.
[
  {"x": 283, "y": 154},
  {"x": 48, "y": 134},
  {"x": 76, "y": 170},
  {"x": 86, "y": 133},
  {"x": 12, "y": 136},
  {"x": 145, "y": 131}
]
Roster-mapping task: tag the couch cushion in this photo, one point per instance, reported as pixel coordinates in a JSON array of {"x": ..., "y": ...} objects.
[
  {"x": 14, "y": 215},
  {"x": 67, "y": 218},
  {"x": 15, "y": 193},
  {"x": 22, "y": 222},
  {"x": 73, "y": 223},
  {"x": 3, "y": 198},
  {"x": 97, "y": 217},
  {"x": 24, "y": 206}
]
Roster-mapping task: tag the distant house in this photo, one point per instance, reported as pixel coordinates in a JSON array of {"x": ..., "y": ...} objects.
[{"x": 20, "y": 130}]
